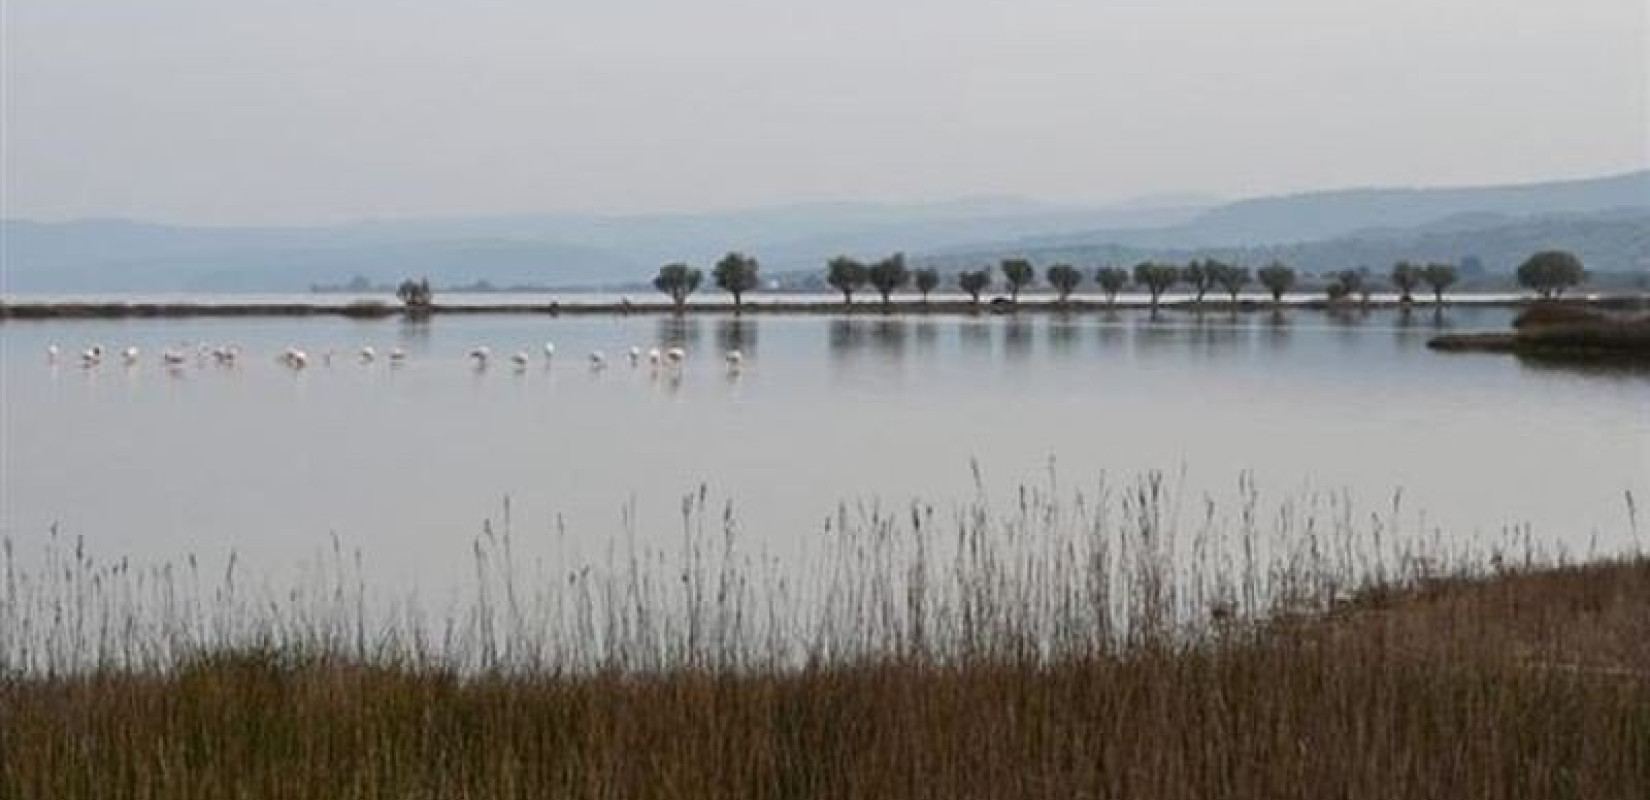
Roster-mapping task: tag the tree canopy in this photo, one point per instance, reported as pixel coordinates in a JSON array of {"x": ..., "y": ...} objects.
[
  {"x": 1157, "y": 278},
  {"x": 1439, "y": 277},
  {"x": 888, "y": 274},
  {"x": 1406, "y": 277},
  {"x": 1111, "y": 280},
  {"x": 677, "y": 280},
  {"x": 973, "y": 282},
  {"x": 1231, "y": 278},
  {"x": 1018, "y": 273},
  {"x": 1550, "y": 272},
  {"x": 1278, "y": 279},
  {"x": 736, "y": 274},
  {"x": 1064, "y": 278},
  {"x": 847, "y": 276},
  {"x": 926, "y": 280}
]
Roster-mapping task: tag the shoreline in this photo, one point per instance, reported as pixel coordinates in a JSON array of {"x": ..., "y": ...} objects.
[{"x": 824, "y": 306}]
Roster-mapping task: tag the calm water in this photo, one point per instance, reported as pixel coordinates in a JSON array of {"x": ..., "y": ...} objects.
[{"x": 406, "y": 462}]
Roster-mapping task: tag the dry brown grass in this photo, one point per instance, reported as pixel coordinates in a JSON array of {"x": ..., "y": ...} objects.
[{"x": 1526, "y": 683}]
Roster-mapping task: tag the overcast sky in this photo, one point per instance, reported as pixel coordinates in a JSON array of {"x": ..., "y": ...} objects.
[{"x": 232, "y": 111}]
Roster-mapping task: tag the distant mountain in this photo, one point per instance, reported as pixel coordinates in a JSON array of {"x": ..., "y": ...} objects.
[
  {"x": 1594, "y": 217},
  {"x": 121, "y": 255},
  {"x": 1608, "y": 241},
  {"x": 1324, "y": 215}
]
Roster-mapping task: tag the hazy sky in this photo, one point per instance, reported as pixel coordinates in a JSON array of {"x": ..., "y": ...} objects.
[{"x": 227, "y": 111}]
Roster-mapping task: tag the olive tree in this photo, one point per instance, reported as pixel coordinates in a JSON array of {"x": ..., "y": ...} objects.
[
  {"x": 1550, "y": 272},
  {"x": 974, "y": 282},
  {"x": 416, "y": 296},
  {"x": 1232, "y": 279},
  {"x": 1157, "y": 278},
  {"x": 1439, "y": 277},
  {"x": 736, "y": 275},
  {"x": 1200, "y": 275},
  {"x": 1111, "y": 280},
  {"x": 1406, "y": 277},
  {"x": 1064, "y": 278},
  {"x": 1018, "y": 274},
  {"x": 1277, "y": 278},
  {"x": 847, "y": 276},
  {"x": 887, "y": 275},
  {"x": 926, "y": 280},
  {"x": 678, "y": 281}
]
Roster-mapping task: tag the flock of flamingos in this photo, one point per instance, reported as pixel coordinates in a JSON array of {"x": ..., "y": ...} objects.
[{"x": 297, "y": 359}]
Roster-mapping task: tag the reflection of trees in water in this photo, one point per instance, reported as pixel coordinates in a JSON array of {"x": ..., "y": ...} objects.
[
  {"x": 1607, "y": 369},
  {"x": 852, "y": 337},
  {"x": 927, "y": 334},
  {"x": 1216, "y": 331},
  {"x": 736, "y": 333},
  {"x": 1113, "y": 328},
  {"x": 413, "y": 331},
  {"x": 974, "y": 336},
  {"x": 679, "y": 331},
  {"x": 890, "y": 335},
  {"x": 1063, "y": 333},
  {"x": 1017, "y": 336}
]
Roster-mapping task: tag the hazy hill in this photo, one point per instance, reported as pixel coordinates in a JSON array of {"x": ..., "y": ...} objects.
[{"x": 1594, "y": 217}]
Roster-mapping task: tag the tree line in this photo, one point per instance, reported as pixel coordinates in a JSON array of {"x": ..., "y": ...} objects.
[{"x": 1548, "y": 273}]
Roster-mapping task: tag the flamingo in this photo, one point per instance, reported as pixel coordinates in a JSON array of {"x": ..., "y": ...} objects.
[
  {"x": 480, "y": 355},
  {"x": 676, "y": 355},
  {"x": 368, "y": 354},
  {"x": 398, "y": 356},
  {"x": 635, "y": 355},
  {"x": 173, "y": 358},
  {"x": 597, "y": 359},
  {"x": 52, "y": 353},
  {"x": 549, "y": 350},
  {"x": 295, "y": 358},
  {"x": 130, "y": 356},
  {"x": 520, "y": 359},
  {"x": 92, "y": 356},
  {"x": 735, "y": 359},
  {"x": 653, "y": 356}
]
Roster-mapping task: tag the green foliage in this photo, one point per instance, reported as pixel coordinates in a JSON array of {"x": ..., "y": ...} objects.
[
  {"x": 736, "y": 274},
  {"x": 1349, "y": 282},
  {"x": 677, "y": 280},
  {"x": 1406, "y": 277},
  {"x": 1201, "y": 275},
  {"x": 1018, "y": 273},
  {"x": 1277, "y": 278},
  {"x": 415, "y": 295},
  {"x": 1157, "y": 278},
  {"x": 1550, "y": 272},
  {"x": 1439, "y": 277},
  {"x": 847, "y": 276},
  {"x": 926, "y": 280},
  {"x": 973, "y": 282},
  {"x": 1231, "y": 278},
  {"x": 887, "y": 275},
  {"x": 1111, "y": 280},
  {"x": 1064, "y": 278}
]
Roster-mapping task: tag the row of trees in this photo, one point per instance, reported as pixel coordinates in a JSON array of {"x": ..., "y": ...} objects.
[{"x": 1549, "y": 273}]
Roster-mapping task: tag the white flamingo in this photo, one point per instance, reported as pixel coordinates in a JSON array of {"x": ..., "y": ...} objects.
[
  {"x": 735, "y": 360},
  {"x": 549, "y": 350},
  {"x": 295, "y": 358},
  {"x": 676, "y": 355},
  {"x": 635, "y": 355},
  {"x": 173, "y": 358},
  {"x": 130, "y": 356},
  {"x": 398, "y": 356},
  {"x": 480, "y": 355},
  {"x": 520, "y": 359},
  {"x": 52, "y": 353},
  {"x": 653, "y": 356},
  {"x": 597, "y": 359},
  {"x": 92, "y": 356},
  {"x": 368, "y": 354}
]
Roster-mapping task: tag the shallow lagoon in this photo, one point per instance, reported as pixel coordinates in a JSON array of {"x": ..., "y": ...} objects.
[{"x": 406, "y": 462}]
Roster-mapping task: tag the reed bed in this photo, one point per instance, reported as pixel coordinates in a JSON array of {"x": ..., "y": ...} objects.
[{"x": 1115, "y": 641}]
